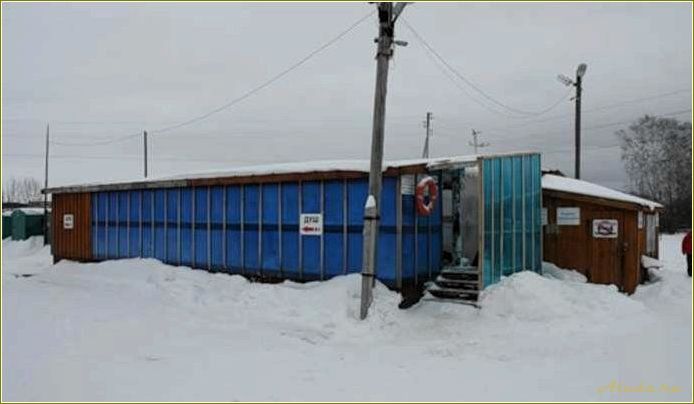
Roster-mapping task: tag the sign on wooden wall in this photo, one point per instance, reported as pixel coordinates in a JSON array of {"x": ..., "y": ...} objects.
[
  {"x": 569, "y": 216},
  {"x": 605, "y": 228},
  {"x": 68, "y": 221}
]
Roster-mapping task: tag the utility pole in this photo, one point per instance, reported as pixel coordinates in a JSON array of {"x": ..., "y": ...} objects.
[
  {"x": 475, "y": 141},
  {"x": 387, "y": 15},
  {"x": 578, "y": 83},
  {"x": 427, "y": 125},
  {"x": 45, "y": 194},
  {"x": 577, "y": 160},
  {"x": 145, "y": 140}
]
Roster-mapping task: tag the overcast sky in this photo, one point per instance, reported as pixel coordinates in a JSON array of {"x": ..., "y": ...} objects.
[{"x": 97, "y": 72}]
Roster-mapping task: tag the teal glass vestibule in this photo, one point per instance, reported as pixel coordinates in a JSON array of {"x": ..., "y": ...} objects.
[{"x": 511, "y": 201}]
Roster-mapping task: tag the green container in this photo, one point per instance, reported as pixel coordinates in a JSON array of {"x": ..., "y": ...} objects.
[
  {"x": 6, "y": 226},
  {"x": 26, "y": 224}
]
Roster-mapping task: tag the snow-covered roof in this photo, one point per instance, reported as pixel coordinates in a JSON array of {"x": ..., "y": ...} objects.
[
  {"x": 27, "y": 211},
  {"x": 313, "y": 167},
  {"x": 574, "y": 186},
  {"x": 305, "y": 167}
]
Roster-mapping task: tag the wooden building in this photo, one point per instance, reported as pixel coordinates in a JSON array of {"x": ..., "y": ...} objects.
[{"x": 598, "y": 231}]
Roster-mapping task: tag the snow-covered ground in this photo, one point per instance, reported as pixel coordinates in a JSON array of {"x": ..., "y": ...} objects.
[{"x": 141, "y": 330}]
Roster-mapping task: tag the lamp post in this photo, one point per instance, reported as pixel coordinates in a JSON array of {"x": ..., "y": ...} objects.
[{"x": 578, "y": 83}]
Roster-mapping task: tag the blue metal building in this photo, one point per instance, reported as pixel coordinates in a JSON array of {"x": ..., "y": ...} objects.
[{"x": 247, "y": 221}]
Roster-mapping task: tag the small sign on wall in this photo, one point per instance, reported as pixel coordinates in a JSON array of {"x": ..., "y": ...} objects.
[
  {"x": 68, "y": 221},
  {"x": 605, "y": 228},
  {"x": 640, "y": 220},
  {"x": 545, "y": 221},
  {"x": 407, "y": 184},
  {"x": 311, "y": 224},
  {"x": 568, "y": 216}
]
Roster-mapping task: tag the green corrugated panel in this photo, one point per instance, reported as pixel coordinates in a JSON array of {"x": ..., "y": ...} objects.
[
  {"x": 6, "y": 226},
  {"x": 26, "y": 225}
]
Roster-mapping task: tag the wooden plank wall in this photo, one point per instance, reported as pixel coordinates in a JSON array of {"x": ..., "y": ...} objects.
[
  {"x": 76, "y": 243},
  {"x": 573, "y": 247}
]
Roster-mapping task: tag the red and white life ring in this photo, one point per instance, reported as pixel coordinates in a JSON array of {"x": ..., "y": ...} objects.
[{"x": 427, "y": 183}]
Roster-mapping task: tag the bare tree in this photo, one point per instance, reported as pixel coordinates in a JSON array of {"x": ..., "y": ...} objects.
[
  {"x": 657, "y": 153},
  {"x": 21, "y": 190}
]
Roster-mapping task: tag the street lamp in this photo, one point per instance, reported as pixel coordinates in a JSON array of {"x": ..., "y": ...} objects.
[{"x": 578, "y": 83}]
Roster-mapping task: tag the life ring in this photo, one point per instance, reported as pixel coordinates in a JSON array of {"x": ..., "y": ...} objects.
[{"x": 427, "y": 183}]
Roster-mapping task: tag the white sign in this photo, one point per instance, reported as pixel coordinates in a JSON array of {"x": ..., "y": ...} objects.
[
  {"x": 640, "y": 220},
  {"x": 605, "y": 228},
  {"x": 311, "y": 224},
  {"x": 545, "y": 220},
  {"x": 68, "y": 221},
  {"x": 407, "y": 184},
  {"x": 568, "y": 216}
]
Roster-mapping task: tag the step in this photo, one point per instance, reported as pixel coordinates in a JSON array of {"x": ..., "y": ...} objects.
[
  {"x": 464, "y": 284},
  {"x": 469, "y": 295},
  {"x": 460, "y": 273}
]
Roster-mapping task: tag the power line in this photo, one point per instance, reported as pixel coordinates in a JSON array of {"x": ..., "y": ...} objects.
[
  {"x": 267, "y": 82},
  {"x": 430, "y": 49},
  {"x": 238, "y": 99},
  {"x": 97, "y": 143}
]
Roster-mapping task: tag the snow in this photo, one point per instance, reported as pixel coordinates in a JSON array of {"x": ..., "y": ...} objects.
[
  {"x": 650, "y": 262},
  {"x": 574, "y": 186},
  {"x": 140, "y": 330},
  {"x": 370, "y": 202},
  {"x": 28, "y": 211},
  {"x": 295, "y": 168}
]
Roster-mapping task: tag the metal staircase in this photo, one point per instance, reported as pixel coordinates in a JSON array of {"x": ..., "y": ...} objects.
[{"x": 458, "y": 284}]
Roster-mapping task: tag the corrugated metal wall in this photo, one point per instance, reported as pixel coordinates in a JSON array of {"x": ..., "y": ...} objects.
[
  {"x": 512, "y": 216},
  {"x": 253, "y": 229},
  {"x": 74, "y": 243}
]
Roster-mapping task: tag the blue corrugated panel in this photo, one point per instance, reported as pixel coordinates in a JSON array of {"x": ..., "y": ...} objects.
[
  {"x": 200, "y": 235},
  {"x": 122, "y": 224},
  {"x": 333, "y": 217},
  {"x": 134, "y": 241},
  {"x": 217, "y": 228},
  {"x": 251, "y": 215},
  {"x": 233, "y": 235},
  {"x": 290, "y": 230},
  {"x": 357, "y": 191},
  {"x": 270, "y": 259},
  {"x": 112, "y": 229},
  {"x": 147, "y": 229},
  {"x": 159, "y": 219},
  {"x": 387, "y": 249},
  {"x": 310, "y": 247},
  {"x": 171, "y": 219},
  {"x": 186, "y": 237},
  {"x": 408, "y": 241}
]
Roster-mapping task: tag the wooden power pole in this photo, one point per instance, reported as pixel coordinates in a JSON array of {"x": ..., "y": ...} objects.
[
  {"x": 45, "y": 194},
  {"x": 387, "y": 15},
  {"x": 427, "y": 125},
  {"x": 145, "y": 152},
  {"x": 476, "y": 144}
]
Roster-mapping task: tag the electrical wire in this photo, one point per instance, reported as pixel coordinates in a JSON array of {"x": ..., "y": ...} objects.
[
  {"x": 267, "y": 82},
  {"x": 438, "y": 56},
  {"x": 238, "y": 99}
]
